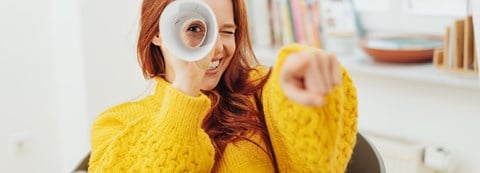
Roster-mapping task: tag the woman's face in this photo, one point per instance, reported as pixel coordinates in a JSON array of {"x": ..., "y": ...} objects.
[{"x": 225, "y": 46}]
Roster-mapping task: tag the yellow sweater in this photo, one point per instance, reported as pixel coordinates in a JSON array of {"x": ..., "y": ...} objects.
[{"x": 162, "y": 133}]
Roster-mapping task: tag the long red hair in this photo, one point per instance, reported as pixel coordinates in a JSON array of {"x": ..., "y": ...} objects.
[{"x": 233, "y": 116}]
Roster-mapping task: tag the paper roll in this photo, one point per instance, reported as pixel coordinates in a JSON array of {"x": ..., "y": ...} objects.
[{"x": 176, "y": 19}]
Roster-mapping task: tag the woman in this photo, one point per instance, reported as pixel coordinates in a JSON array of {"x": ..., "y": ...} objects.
[{"x": 227, "y": 114}]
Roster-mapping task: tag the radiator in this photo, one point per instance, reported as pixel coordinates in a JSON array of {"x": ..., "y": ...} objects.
[{"x": 399, "y": 155}]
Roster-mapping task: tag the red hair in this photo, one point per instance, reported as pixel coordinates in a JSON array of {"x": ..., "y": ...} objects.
[{"x": 233, "y": 116}]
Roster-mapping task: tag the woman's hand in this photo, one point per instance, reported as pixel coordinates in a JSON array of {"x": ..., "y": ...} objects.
[
  {"x": 307, "y": 76},
  {"x": 188, "y": 76}
]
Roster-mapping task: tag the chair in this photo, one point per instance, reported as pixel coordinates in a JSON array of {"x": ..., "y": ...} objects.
[
  {"x": 83, "y": 166},
  {"x": 365, "y": 158}
]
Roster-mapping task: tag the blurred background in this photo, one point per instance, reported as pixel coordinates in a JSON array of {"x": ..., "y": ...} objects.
[{"x": 63, "y": 62}]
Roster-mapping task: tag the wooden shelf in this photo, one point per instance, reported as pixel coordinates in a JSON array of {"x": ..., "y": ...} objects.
[{"x": 362, "y": 64}]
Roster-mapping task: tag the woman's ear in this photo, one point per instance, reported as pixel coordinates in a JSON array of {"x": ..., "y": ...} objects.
[{"x": 156, "y": 40}]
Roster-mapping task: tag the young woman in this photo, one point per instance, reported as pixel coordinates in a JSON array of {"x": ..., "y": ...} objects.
[{"x": 226, "y": 113}]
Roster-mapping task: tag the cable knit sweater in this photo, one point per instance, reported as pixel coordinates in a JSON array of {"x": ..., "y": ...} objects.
[{"x": 162, "y": 132}]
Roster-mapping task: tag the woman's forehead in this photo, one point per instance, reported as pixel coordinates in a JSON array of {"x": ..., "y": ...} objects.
[{"x": 223, "y": 10}]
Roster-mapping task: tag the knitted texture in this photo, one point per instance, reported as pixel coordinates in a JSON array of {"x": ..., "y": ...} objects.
[
  {"x": 162, "y": 132},
  {"x": 310, "y": 139}
]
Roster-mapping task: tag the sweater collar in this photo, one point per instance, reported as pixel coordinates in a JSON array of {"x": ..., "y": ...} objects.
[{"x": 159, "y": 91}]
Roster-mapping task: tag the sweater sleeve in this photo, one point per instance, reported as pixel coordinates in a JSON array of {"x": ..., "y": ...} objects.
[
  {"x": 312, "y": 139},
  {"x": 133, "y": 137}
]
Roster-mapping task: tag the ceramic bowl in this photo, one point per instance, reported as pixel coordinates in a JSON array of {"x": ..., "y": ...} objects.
[{"x": 401, "y": 48}]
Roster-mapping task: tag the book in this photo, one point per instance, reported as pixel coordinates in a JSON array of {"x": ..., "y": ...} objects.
[
  {"x": 475, "y": 61},
  {"x": 296, "y": 18},
  {"x": 438, "y": 58},
  {"x": 458, "y": 39},
  {"x": 277, "y": 37},
  {"x": 476, "y": 33},
  {"x": 446, "y": 53},
  {"x": 468, "y": 53},
  {"x": 260, "y": 27}
]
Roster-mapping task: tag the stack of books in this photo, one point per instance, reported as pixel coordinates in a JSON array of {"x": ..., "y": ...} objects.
[
  {"x": 274, "y": 23},
  {"x": 459, "y": 53}
]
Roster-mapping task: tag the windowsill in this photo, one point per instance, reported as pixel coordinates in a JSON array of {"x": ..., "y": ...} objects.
[{"x": 420, "y": 72}]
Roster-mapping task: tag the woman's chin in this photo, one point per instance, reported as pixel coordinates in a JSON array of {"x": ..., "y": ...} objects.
[
  {"x": 207, "y": 88},
  {"x": 209, "y": 84},
  {"x": 211, "y": 79}
]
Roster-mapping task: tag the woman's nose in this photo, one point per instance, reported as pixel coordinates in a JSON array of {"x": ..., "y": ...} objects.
[{"x": 218, "y": 46}]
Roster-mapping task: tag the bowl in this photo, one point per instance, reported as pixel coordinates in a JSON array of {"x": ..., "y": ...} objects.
[{"x": 401, "y": 48}]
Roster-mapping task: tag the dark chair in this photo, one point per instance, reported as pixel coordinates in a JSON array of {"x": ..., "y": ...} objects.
[
  {"x": 365, "y": 159},
  {"x": 83, "y": 166}
]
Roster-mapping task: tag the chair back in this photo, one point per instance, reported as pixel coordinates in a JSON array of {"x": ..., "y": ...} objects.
[
  {"x": 83, "y": 166},
  {"x": 365, "y": 158}
]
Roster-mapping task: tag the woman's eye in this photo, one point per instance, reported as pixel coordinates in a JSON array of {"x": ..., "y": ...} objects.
[
  {"x": 194, "y": 29},
  {"x": 228, "y": 32}
]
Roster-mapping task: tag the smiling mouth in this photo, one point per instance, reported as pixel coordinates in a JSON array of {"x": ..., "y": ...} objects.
[{"x": 214, "y": 64}]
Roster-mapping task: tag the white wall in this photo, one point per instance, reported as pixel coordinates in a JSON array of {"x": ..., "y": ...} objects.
[
  {"x": 394, "y": 17},
  {"x": 27, "y": 95},
  {"x": 110, "y": 30},
  {"x": 30, "y": 127},
  {"x": 62, "y": 63},
  {"x": 44, "y": 127},
  {"x": 70, "y": 88},
  {"x": 428, "y": 113}
]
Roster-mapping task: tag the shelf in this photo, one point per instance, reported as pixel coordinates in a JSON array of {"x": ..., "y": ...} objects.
[{"x": 360, "y": 63}]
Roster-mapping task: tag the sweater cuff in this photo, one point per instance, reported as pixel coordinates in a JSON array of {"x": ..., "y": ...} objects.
[{"x": 181, "y": 113}]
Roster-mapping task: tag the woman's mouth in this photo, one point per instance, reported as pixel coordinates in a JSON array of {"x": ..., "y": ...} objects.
[{"x": 213, "y": 64}]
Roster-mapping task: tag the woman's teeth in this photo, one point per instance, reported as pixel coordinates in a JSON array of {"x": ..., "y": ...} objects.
[{"x": 213, "y": 65}]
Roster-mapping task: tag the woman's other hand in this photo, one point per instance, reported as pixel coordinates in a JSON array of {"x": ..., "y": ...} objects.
[{"x": 308, "y": 76}]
